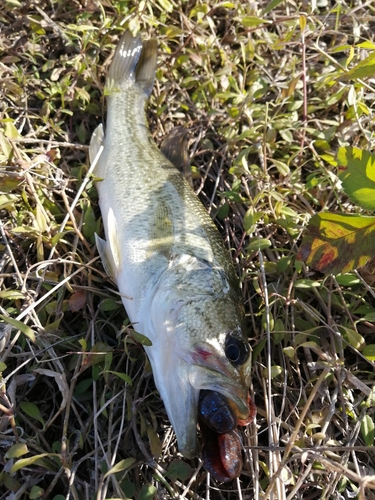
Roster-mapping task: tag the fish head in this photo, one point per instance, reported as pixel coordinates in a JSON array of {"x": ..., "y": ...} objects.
[{"x": 206, "y": 349}]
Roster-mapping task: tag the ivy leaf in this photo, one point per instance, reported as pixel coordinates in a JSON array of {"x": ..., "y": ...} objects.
[
  {"x": 357, "y": 174},
  {"x": 338, "y": 243}
]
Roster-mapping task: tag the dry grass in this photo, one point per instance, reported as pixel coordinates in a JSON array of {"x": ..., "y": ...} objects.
[{"x": 266, "y": 107}]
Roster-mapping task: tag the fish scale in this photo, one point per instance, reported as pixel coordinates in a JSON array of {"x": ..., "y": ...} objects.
[{"x": 174, "y": 275}]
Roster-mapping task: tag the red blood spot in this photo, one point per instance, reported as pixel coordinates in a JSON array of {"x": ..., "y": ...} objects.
[{"x": 201, "y": 353}]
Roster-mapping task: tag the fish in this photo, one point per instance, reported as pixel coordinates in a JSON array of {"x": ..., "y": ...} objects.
[{"x": 175, "y": 277}]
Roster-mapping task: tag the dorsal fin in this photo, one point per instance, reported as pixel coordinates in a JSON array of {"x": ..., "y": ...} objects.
[{"x": 174, "y": 148}]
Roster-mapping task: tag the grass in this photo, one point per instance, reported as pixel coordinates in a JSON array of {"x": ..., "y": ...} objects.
[{"x": 261, "y": 88}]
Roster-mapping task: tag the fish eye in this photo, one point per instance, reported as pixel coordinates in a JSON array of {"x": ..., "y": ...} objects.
[{"x": 236, "y": 350}]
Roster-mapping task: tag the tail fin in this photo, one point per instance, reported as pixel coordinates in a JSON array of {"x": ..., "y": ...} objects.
[{"x": 133, "y": 62}]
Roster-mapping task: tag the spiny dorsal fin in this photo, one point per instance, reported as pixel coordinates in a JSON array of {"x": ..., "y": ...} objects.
[{"x": 174, "y": 148}]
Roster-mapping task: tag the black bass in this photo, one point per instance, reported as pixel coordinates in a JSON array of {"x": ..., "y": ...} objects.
[{"x": 175, "y": 278}]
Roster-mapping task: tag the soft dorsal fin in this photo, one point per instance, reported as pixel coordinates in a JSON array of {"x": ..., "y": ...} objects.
[{"x": 174, "y": 148}]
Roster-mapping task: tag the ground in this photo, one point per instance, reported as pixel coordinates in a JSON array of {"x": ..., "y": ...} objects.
[{"x": 264, "y": 92}]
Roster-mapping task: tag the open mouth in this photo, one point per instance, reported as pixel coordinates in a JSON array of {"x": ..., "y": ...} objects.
[{"x": 221, "y": 451}]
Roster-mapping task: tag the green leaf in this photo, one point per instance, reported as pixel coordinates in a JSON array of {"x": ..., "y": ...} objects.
[
  {"x": 32, "y": 411},
  {"x": 155, "y": 443},
  {"x": 290, "y": 352},
  {"x": 357, "y": 174},
  {"x": 306, "y": 283},
  {"x": 89, "y": 222},
  {"x": 142, "y": 339},
  {"x": 259, "y": 348},
  {"x": 58, "y": 237},
  {"x": 17, "y": 450},
  {"x": 338, "y": 243},
  {"x": 282, "y": 167},
  {"x": 128, "y": 488},
  {"x": 122, "y": 376},
  {"x": 369, "y": 352},
  {"x": 364, "y": 69},
  {"x": 272, "y": 5},
  {"x": 11, "y": 295},
  {"x": 178, "y": 469},
  {"x": 14, "y": 3},
  {"x": 257, "y": 244},
  {"x": 275, "y": 371},
  {"x": 122, "y": 465},
  {"x": 250, "y": 21},
  {"x": 20, "y": 326},
  {"x": 7, "y": 201},
  {"x": 348, "y": 279},
  {"x": 83, "y": 386},
  {"x": 26, "y": 462},
  {"x": 36, "y": 492},
  {"x": 109, "y": 305},
  {"x": 166, "y": 5},
  {"x": 353, "y": 338},
  {"x": 368, "y": 430},
  {"x": 148, "y": 492}
]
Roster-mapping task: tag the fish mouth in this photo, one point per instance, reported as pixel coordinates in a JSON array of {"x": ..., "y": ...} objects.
[
  {"x": 222, "y": 446},
  {"x": 182, "y": 380},
  {"x": 224, "y": 404}
]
